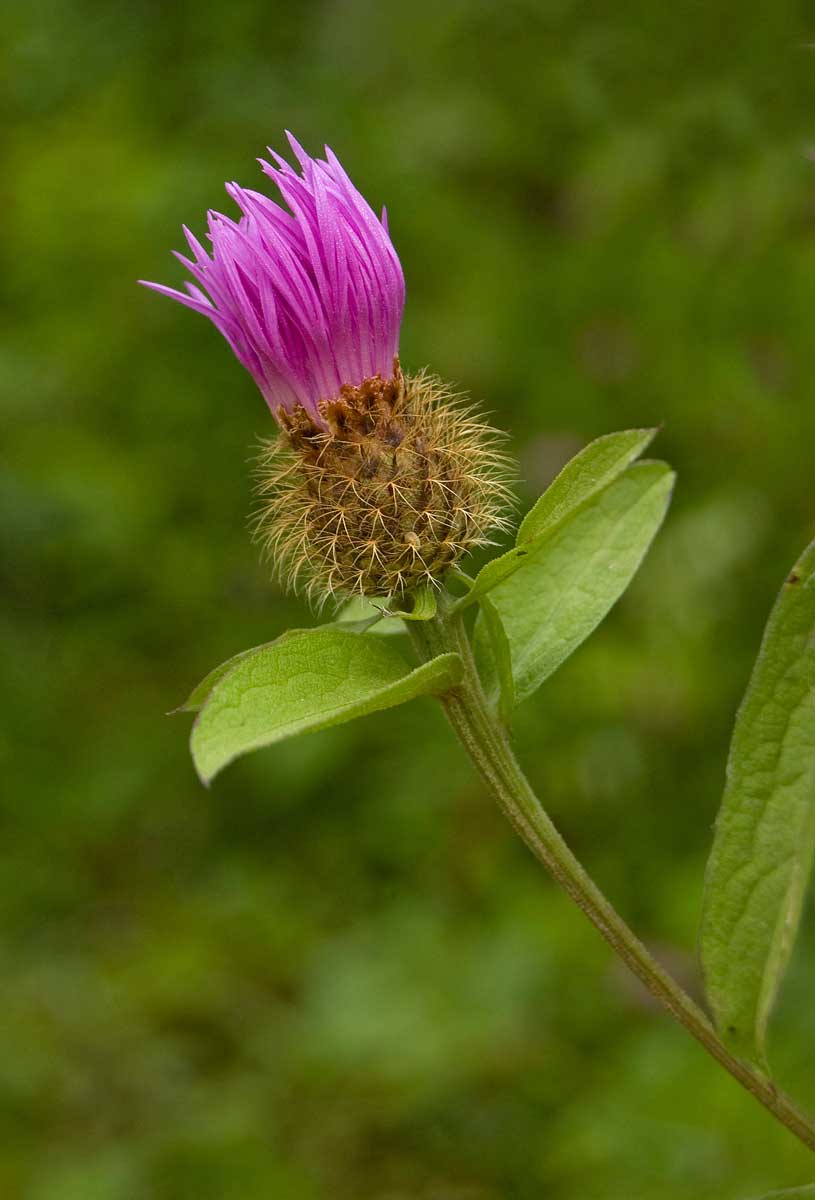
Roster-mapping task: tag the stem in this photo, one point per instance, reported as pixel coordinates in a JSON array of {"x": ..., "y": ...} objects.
[{"x": 487, "y": 745}]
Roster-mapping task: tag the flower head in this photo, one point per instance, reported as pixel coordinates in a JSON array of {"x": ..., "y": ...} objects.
[
  {"x": 377, "y": 482},
  {"x": 309, "y": 300}
]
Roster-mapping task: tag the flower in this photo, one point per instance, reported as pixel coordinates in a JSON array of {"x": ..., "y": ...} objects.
[
  {"x": 309, "y": 300},
  {"x": 377, "y": 482}
]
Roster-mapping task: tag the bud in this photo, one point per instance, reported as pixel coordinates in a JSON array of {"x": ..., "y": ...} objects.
[
  {"x": 377, "y": 482},
  {"x": 396, "y": 482}
]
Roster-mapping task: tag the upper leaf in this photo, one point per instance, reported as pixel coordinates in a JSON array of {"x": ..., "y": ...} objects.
[
  {"x": 491, "y": 628},
  {"x": 382, "y": 618},
  {"x": 765, "y": 831},
  {"x": 573, "y": 575},
  {"x": 306, "y": 681},
  {"x": 597, "y": 465},
  {"x": 594, "y": 468},
  {"x": 423, "y": 606},
  {"x": 368, "y": 616}
]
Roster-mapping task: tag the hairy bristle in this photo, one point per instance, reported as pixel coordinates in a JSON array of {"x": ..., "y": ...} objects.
[{"x": 399, "y": 480}]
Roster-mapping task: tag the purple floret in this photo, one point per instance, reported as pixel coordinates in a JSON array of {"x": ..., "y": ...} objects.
[{"x": 309, "y": 300}]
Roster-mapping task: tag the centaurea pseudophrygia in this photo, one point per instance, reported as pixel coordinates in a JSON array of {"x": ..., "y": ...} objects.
[{"x": 378, "y": 482}]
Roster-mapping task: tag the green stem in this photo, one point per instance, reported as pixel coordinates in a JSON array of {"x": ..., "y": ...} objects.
[{"x": 487, "y": 745}]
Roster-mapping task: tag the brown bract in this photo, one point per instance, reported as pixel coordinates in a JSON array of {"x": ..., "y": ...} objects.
[{"x": 401, "y": 480}]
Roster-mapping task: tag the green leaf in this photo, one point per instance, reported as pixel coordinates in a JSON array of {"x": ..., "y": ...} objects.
[
  {"x": 423, "y": 608},
  {"x": 360, "y": 624},
  {"x": 305, "y": 682},
  {"x": 765, "y": 831},
  {"x": 492, "y": 628},
  {"x": 369, "y": 616},
  {"x": 596, "y": 466},
  {"x": 198, "y": 695},
  {"x": 573, "y": 576},
  {"x": 592, "y": 470}
]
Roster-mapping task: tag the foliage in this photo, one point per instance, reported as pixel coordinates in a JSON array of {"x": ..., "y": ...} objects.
[
  {"x": 567, "y": 578},
  {"x": 761, "y": 863},
  {"x": 305, "y": 682}
]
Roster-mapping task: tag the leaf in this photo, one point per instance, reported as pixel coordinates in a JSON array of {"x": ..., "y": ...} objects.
[
  {"x": 597, "y": 465},
  {"x": 370, "y": 617},
  {"x": 574, "y": 575},
  {"x": 500, "y": 657},
  {"x": 304, "y": 682},
  {"x": 594, "y": 468},
  {"x": 765, "y": 831},
  {"x": 423, "y": 608},
  {"x": 198, "y": 695}
]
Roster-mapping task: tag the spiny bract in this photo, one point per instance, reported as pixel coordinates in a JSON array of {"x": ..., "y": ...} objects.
[{"x": 396, "y": 482}]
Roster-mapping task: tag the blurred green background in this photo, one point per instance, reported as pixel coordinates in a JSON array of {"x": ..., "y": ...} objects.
[{"x": 338, "y": 974}]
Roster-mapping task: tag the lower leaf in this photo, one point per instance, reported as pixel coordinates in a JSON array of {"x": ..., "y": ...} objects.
[
  {"x": 306, "y": 681},
  {"x": 765, "y": 832}
]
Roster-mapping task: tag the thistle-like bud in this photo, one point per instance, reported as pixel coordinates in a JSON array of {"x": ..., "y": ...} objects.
[
  {"x": 391, "y": 487},
  {"x": 377, "y": 482}
]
